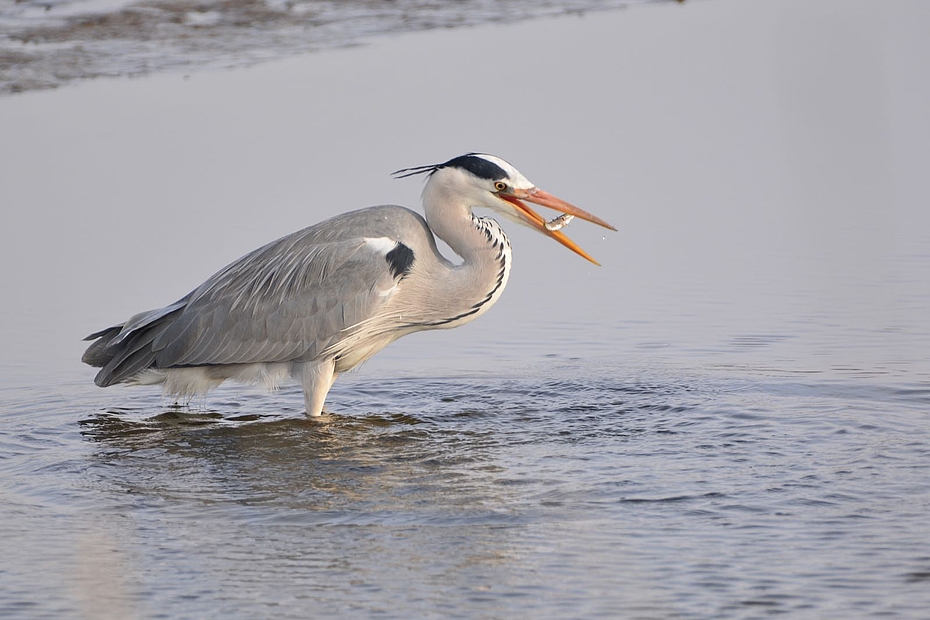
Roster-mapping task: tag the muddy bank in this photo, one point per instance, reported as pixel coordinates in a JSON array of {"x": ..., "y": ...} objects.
[{"x": 44, "y": 43}]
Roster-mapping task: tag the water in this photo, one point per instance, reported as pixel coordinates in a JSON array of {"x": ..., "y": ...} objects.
[
  {"x": 634, "y": 493},
  {"x": 729, "y": 419}
]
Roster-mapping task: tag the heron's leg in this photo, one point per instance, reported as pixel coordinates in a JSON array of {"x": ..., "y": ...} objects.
[{"x": 316, "y": 377}]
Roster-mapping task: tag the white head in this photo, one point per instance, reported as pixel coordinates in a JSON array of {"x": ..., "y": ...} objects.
[{"x": 481, "y": 180}]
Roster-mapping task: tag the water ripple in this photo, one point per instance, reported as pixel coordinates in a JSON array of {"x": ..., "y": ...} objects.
[{"x": 734, "y": 493}]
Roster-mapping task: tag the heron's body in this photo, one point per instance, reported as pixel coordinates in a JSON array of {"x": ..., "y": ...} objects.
[{"x": 322, "y": 300}]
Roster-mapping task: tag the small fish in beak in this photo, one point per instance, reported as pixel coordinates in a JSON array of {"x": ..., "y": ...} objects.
[{"x": 560, "y": 222}]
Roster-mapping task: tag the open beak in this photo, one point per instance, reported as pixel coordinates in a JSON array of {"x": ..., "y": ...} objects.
[{"x": 538, "y": 222}]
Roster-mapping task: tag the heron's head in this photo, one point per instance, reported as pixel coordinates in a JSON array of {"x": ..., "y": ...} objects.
[{"x": 482, "y": 180}]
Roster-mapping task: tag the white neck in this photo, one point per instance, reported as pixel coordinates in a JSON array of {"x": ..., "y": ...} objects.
[{"x": 470, "y": 289}]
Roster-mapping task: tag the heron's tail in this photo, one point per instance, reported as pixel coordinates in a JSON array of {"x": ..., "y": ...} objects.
[{"x": 125, "y": 350}]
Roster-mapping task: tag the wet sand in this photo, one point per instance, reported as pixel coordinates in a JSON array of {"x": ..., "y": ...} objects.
[{"x": 48, "y": 43}]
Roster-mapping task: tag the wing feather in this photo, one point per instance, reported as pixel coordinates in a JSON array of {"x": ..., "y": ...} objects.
[{"x": 289, "y": 300}]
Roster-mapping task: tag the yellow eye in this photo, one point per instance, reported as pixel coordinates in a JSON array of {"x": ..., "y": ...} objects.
[{"x": 500, "y": 186}]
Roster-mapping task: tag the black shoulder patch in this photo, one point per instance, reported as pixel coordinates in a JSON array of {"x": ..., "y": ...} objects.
[
  {"x": 477, "y": 165},
  {"x": 400, "y": 259}
]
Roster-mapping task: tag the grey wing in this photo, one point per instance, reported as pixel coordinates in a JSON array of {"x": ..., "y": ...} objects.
[{"x": 289, "y": 300}]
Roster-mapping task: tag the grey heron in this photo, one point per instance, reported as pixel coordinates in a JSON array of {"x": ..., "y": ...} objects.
[{"x": 317, "y": 302}]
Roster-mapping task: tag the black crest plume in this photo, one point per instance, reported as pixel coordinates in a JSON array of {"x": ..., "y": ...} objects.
[{"x": 472, "y": 162}]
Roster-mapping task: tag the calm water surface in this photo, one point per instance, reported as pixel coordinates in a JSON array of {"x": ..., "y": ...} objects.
[{"x": 729, "y": 419}]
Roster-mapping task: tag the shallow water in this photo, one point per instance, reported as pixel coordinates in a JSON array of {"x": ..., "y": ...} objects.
[
  {"x": 729, "y": 419},
  {"x": 636, "y": 492}
]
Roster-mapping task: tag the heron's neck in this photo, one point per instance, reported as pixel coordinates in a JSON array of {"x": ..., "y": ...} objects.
[
  {"x": 449, "y": 216},
  {"x": 473, "y": 286}
]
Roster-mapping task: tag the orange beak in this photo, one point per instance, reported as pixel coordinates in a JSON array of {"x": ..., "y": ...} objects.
[{"x": 538, "y": 222}]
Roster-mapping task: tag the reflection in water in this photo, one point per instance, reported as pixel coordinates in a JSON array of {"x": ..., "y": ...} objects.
[
  {"x": 667, "y": 492},
  {"x": 101, "y": 583},
  {"x": 462, "y": 489},
  {"x": 378, "y": 462}
]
